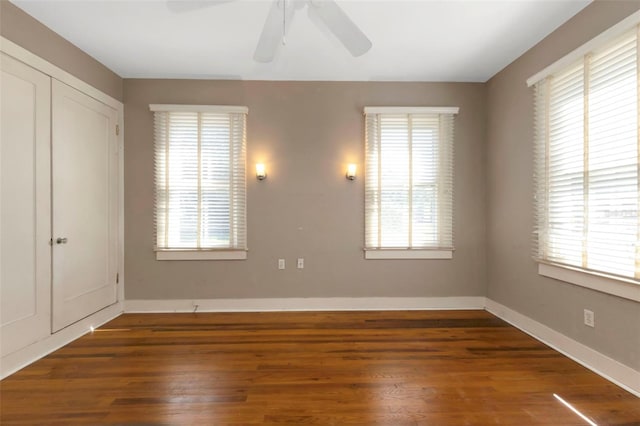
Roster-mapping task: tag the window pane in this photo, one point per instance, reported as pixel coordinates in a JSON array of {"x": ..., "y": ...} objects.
[
  {"x": 566, "y": 167},
  {"x": 426, "y": 155},
  {"x": 613, "y": 158},
  {"x": 183, "y": 180},
  {"x": 394, "y": 188},
  {"x": 425, "y": 216},
  {"x": 183, "y": 218},
  {"x": 200, "y": 180},
  {"x": 215, "y": 217},
  {"x": 215, "y": 187},
  {"x": 408, "y": 180}
]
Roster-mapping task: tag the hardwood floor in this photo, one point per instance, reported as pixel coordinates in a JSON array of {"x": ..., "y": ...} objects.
[{"x": 322, "y": 368}]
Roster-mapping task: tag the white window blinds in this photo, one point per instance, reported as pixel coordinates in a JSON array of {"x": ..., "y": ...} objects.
[
  {"x": 409, "y": 178},
  {"x": 200, "y": 179},
  {"x": 586, "y": 162}
]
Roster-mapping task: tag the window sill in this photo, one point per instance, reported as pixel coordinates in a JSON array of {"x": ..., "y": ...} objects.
[
  {"x": 620, "y": 287},
  {"x": 201, "y": 255},
  {"x": 408, "y": 254}
]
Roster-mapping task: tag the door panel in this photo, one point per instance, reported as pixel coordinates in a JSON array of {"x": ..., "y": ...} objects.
[
  {"x": 25, "y": 209},
  {"x": 84, "y": 150}
]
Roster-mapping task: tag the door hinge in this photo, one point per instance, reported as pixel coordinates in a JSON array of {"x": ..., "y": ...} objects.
[
  {"x": 117, "y": 130},
  {"x": 118, "y": 278}
]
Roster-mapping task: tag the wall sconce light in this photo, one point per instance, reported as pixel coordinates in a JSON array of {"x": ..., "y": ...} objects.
[
  {"x": 351, "y": 171},
  {"x": 261, "y": 172}
]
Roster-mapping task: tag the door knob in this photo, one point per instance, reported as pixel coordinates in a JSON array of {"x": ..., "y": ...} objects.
[{"x": 61, "y": 240}]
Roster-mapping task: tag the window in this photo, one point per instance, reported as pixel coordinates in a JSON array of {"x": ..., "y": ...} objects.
[
  {"x": 409, "y": 183},
  {"x": 586, "y": 153},
  {"x": 200, "y": 182}
]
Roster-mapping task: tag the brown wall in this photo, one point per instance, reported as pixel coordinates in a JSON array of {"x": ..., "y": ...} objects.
[
  {"x": 30, "y": 34},
  {"x": 306, "y": 133},
  {"x": 512, "y": 274}
]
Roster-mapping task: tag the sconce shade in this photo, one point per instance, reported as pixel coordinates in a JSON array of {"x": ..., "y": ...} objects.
[
  {"x": 351, "y": 171},
  {"x": 261, "y": 172}
]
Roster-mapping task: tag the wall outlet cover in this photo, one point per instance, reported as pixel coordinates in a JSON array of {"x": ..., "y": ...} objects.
[{"x": 589, "y": 318}]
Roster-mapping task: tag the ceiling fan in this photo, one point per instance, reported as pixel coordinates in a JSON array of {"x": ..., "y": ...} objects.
[{"x": 281, "y": 13}]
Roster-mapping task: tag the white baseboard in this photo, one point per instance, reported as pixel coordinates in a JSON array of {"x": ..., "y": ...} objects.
[
  {"x": 304, "y": 304},
  {"x": 612, "y": 370},
  {"x": 15, "y": 361}
]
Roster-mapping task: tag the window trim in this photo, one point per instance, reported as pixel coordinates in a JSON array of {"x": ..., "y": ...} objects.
[
  {"x": 390, "y": 253},
  {"x": 617, "y": 30},
  {"x": 171, "y": 254},
  {"x": 177, "y": 254},
  {"x": 613, "y": 285},
  {"x": 623, "y": 287},
  {"x": 217, "y": 109},
  {"x": 411, "y": 110},
  {"x": 379, "y": 254}
]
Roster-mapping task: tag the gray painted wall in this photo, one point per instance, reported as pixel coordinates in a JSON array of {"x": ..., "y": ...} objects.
[
  {"x": 512, "y": 274},
  {"x": 306, "y": 133}
]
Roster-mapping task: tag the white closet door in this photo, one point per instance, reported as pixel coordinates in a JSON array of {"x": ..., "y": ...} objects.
[
  {"x": 25, "y": 209},
  {"x": 85, "y": 205}
]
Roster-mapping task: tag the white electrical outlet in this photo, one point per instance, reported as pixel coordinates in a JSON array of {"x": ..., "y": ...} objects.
[
  {"x": 300, "y": 263},
  {"x": 589, "y": 318},
  {"x": 281, "y": 264}
]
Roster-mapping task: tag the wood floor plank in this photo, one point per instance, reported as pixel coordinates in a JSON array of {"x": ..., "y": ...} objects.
[{"x": 319, "y": 368}]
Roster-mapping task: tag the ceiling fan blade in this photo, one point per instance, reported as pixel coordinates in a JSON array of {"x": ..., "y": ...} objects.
[
  {"x": 280, "y": 14},
  {"x": 180, "y": 6},
  {"x": 341, "y": 26}
]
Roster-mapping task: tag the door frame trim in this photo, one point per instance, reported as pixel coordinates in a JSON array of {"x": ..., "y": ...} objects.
[
  {"x": 53, "y": 71},
  {"x": 42, "y": 65},
  {"x": 19, "y": 359}
]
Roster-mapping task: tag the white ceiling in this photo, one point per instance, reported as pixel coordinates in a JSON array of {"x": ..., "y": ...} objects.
[{"x": 412, "y": 40}]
